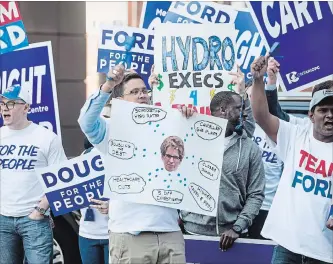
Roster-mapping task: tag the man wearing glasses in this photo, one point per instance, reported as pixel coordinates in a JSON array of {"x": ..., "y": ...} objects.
[
  {"x": 139, "y": 233},
  {"x": 24, "y": 146}
]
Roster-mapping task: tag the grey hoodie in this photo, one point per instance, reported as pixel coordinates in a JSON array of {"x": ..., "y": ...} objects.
[{"x": 241, "y": 189}]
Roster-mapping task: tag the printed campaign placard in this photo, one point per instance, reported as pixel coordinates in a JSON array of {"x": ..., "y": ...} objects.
[
  {"x": 249, "y": 44},
  {"x": 160, "y": 165},
  {"x": 113, "y": 49},
  {"x": 302, "y": 28},
  {"x": 12, "y": 32},
  {"x": 32, "y": 67},
  {"x": 203, "y": 250},
  {"x": 69, "y": 186},
  {"x": 193, "y": 62},
  {"x": 153, "y": 13}
]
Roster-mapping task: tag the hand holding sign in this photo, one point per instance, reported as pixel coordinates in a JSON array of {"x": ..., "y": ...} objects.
[
  {"x": 153, "y": 78},
  {"x": 186, "y": 111},
  {"x": 114, "y": 77},
  {"x": 100, "y": 205},
  {"x": 259, "y": 67}
]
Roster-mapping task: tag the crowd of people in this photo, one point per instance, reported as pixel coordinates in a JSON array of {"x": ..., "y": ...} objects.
[{"x": 288, "y": 201}]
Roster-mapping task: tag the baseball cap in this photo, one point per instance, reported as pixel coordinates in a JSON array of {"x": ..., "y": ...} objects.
[
  {"x": 17, "y": 92},
  {"x": 319, "y": 96}
]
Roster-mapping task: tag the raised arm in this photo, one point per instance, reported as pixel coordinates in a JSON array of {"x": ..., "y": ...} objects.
[
  {"x": 271, "y": 90},
  {"x": 239, "y": 82},
  {"x": 268, "y": 122},
  {"x": 90, "y": 121}
]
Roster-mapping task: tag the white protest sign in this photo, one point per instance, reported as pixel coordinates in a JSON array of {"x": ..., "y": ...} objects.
[
  {"x": 192, "y": 62},
  {"x": 69, "y": 186},
  {"x": 157, "y": 156}
]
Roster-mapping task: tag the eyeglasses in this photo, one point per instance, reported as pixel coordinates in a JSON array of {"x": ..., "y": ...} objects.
[
  {"x": 137, "y": 91},
  {"x": 170, "y": 156},
  {"x": 9, "y": 105}
]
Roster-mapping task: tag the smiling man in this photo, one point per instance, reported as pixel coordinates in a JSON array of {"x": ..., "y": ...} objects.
[
  {"x": 24, "y": 146},
  {"x": 299, "y": 220},
  {"x": 139, "y": 233},
  {"x": 172, "y": 152}
]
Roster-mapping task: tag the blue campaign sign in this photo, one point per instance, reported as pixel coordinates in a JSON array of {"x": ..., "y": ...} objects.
[
  {"x": 32, "y": 68},
  {"x": 115, "y": 47},
  {"x": 70, "y": 185},
  {"x": 204, "y": 250},
  {"x": 303, "y": 30},
  {"x": 248, "y": 42},
  {"x": 153, "y": 13}
]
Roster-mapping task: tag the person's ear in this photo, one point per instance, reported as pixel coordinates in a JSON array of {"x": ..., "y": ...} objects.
[
  {"x": 224, "y": 112},
  {"x": 26, "y": 108}
]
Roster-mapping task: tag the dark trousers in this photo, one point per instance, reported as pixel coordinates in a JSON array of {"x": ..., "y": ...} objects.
[{"x": 257, "y": 225}]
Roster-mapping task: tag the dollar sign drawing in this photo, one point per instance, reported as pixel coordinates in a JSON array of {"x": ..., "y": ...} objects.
[
  {"x": 230, "y": 87},
  {"x": 160, "y": 83}
]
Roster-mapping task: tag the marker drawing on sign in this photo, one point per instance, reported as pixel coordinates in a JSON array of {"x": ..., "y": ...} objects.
[
  {"x": 167, "y": 196},
  {"x": 209, "y": 170},
  {"x": 204, "y": 200},
  {"x": 143, "y": 115},
  {"x": 126, "y": 184},
  {"x": 121, "y": 149},
  {"x": 207, "y": 130}
]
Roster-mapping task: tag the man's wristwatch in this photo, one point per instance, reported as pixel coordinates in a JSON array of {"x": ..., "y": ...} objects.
[
  {"x": 42, "y": 211},
  {"x": 237, "y": 229}
]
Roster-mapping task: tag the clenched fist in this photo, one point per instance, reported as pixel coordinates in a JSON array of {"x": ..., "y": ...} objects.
[
  {"x": 113, "y": 78},
  {"x": 272, "y": 70},
  {"x": 259, "y": 67}
]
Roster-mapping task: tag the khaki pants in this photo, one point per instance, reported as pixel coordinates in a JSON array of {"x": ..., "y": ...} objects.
[{"x": 147, "y": 248}]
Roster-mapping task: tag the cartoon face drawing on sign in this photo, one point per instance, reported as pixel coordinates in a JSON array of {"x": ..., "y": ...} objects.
[{"x": 172, "y": 152}]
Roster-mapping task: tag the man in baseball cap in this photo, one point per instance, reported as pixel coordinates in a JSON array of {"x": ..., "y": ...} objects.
[
  {"x": 319, "y": 96},
  {"x": 17, "y": 92}
]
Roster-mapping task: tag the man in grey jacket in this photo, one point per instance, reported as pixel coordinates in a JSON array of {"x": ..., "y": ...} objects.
[{"x": 242, "y": 180}]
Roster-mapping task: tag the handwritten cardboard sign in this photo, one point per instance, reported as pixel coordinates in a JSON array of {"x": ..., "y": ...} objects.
[
  {"x": 157, "y": 156},
  {"x": 192, "y": 62}
]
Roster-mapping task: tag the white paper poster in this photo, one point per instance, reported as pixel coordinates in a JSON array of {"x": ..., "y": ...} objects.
[
  {"x": 157, "y": 156},
  {"x": 192, "y": 62}
]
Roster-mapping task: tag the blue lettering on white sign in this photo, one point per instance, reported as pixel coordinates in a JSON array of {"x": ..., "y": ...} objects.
[{"x": 248, "y": 41}]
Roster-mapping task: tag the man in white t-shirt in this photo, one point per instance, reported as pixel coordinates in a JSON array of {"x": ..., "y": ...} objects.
[
  {"x": 24, "y": 215},
  {"x": 299, "y": 220},
  {"x": 140, "y": 233}
]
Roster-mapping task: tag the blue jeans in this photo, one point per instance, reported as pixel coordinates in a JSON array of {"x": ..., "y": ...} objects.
[
  {"x": 282, "y": 255},
  {"x": 34, "y": 237},
  {"x": 94, "y": 251}
]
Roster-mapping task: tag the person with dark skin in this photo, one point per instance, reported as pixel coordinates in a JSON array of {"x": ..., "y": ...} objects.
[
  {"x": 243, "y": 177},
  {"x": 300, "y": 220}
]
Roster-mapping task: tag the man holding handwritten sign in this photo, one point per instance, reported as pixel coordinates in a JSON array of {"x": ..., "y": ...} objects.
[{"x": 153, "y": 235}]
